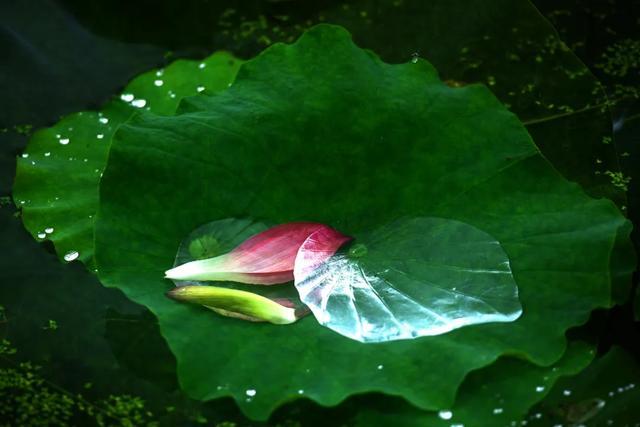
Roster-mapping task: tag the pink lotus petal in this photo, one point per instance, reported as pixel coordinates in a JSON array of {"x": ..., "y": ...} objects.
[
  {"x": 316, "y": 249},
  {"x": 266, "y": 258}
]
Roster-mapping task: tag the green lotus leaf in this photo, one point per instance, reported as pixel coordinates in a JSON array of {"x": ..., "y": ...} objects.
[
  {"x": 415, "y": 277},
  {"x": 500, "y": 394},
  {"x": 57, "y": 176},
  {"x": 324, "y": 131},
  {"x": 605, "y": 393}
]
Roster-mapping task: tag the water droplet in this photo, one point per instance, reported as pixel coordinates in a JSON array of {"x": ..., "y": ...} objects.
[
  {"x": 498, "y": 411},
  {"x": 200, "y": 88},
  {"x": 25, "y": 155},
  {"x": 159, "y": 73},
  {"x": 42, "y": 235},
  {"x": 300, "y": 391},
  {"x": 251, "y": 392},
  {"x": 64, "y": 141},
  {"x": 567, "y": 392},
  {"x": 47, "y": 154},
  {"x": 380, "y": 367},
  {"x": 127, "y": 97},
  {"x": 202, "y": 65},
  {"x": 85, "y": 160},
  {"x": 445, "y": 415},
  {"x": 100, "y": 136},
  {"x": 457, "y": 425},
  {"x": 71, "y": 255},
  {"x": 414, "y": 57},
  {"x": 540, "y": 389},
  {"x": 139, "y": 103},
  {"x": 48, "y": 230},
  {"x": 158, "y": 83},
  {"x": 103, "y": 120}
]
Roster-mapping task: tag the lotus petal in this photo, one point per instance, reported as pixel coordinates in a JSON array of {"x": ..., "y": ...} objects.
[
  {"x": 415, "y": 277},
  {"x": 236, "y": 303},
  {"x": 267, "y": 258}
]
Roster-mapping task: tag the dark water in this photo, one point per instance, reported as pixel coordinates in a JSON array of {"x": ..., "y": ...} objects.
[{"x": 61, "y": 57}]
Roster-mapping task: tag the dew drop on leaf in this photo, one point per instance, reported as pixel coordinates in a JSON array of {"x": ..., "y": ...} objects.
[
  {"x": 445, "y": 415},
  {"x": 71, "y": 255},
  {"x": 139, "y": 103}
]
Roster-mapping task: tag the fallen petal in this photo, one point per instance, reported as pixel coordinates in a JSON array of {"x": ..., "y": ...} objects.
[
  {"x": 415, "y": 277},
  {"x": 266, "y": 258},
  {"x": 236, "y": 303}
]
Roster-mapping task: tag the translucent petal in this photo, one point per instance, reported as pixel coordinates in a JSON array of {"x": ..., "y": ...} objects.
[
  {"x": 265, "y": 258},
  {"x": 415, "y": 277}
]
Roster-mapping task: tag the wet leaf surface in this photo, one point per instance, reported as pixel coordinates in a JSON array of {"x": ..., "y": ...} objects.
[
  {"x": 500, "y": 394},
  {"x": 605, "y": 393},
  {"x": 557, "y": 239},
  {"x": 58, "y": 174}
]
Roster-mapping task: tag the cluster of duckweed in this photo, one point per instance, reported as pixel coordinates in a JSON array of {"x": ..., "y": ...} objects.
[
  {"x": 618, "y": 179},
  {"x": 279, "y": 28},
  {"x": 123, "y": 411},
  {"x": 621, "y": 58},
  {"x": 28, "y": 400},
  {"x": 618, "y": 62},
  {"x": 238, "y": 27},
  {"x": 23, "y": 129}
]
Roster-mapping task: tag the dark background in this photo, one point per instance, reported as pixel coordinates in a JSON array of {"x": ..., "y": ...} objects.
[{"x": 58, "y": 57}]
